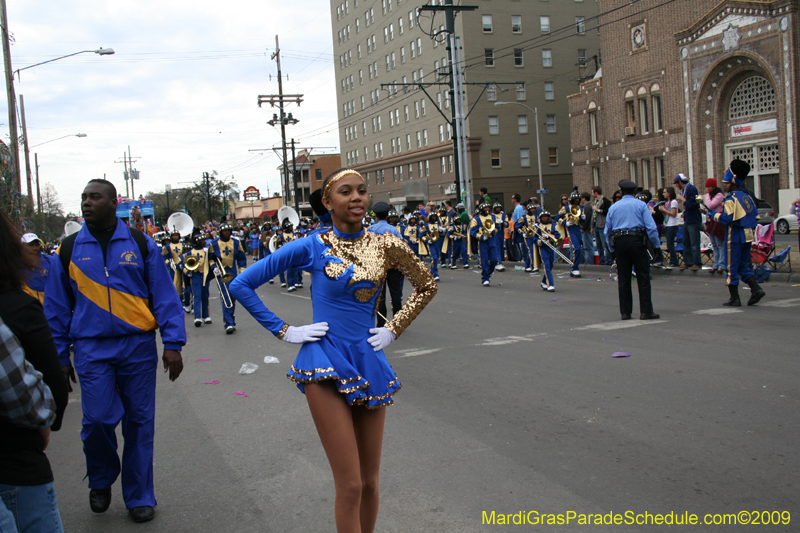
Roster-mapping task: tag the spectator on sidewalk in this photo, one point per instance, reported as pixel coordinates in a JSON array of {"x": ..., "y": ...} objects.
[
  {"x": 692, "y": 223},
  {"x": 713, "y": 199},
  {"x": 587, "y": 232},
  {"x": 600, "y": 206},
  {"x": 671, "y": 226}
]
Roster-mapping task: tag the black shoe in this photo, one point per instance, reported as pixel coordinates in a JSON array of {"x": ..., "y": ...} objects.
[
  {"x": 100, "y": 499},
  {"x": 649, "y": 316},
  {"x": 756, "y": 292},
  {"x": 626, "y": 316},
  {"x": 734, "y": 301},
  {"x": 142, "y": 514}
]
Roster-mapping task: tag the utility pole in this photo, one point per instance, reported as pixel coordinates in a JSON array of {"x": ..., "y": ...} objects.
[
  {"x": 294, "y": 174},
  {"x": 281, "y": 117},
  {"x": 38, "y": 192},
  {"x": 27, "y": 153},
  {"x": 207, "y": 180},
  {"x": 12, "y": 99},
  {"x": 129, "y": 172}
]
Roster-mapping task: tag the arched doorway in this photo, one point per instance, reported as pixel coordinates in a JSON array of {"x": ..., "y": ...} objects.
[{"x": 751, "y": 133}]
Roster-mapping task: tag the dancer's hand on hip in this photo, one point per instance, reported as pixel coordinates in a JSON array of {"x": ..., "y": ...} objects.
[{"x": 303, "y": 334}]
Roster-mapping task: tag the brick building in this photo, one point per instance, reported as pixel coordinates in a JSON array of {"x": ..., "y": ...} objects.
[
  {"x": 311, "y": 171},
  {"x": 527, "y": 53},
  {"x": 686, "y": 87}
]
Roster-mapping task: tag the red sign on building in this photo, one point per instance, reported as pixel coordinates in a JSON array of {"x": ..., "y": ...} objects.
[{"x": 251, "y": 194}]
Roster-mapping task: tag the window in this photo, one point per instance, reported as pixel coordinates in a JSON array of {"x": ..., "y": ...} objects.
[
  {"x": 582, "y": 56},
  {"x": 643, "y": 116},
  {"x": 397, "y": 116},
  {"x": 524, "y": 157},
  {"x": 443, "y": 162},
  {"x": 547, "y": 57},
  {"x": 402, "y": 54},
  {"x": 413, "y": 50},
  {"x": 449, "y": 163},
  {"x": 516, "y": 24},
  {"x": 358, "y": 25},
  {"x": 593, "y": 127},
  {"x": 380, "y": 145},
  {"x": 580, "y": 25},
  {"x": 596, "y": 176},
  {"x": 383, "y": 6},
  {"x": 495, "y": 159},
  {"x": 393, "y": 61},
  {"x": 422, "y": 103},
  {"x": 379, "y": 123},
  {"x": 549, "y": 90},
  {"x": 391, "y": 121},
  {"x": 488, "y": 54},
  {"x": 551, "y": 123},
  {"x": 491, "y": 92},
  {"x": 425, "y": 137},
  {"x": 519, "y": 61},
  {"x": 520, "y": 91},
  {"x": 419, "y": 139},
  {"x": 374, "y": 125},
  {"x": 416, "y": 109},
  {"x": 427, "y": 168},
  {"x": 494, "y": 125},
  {"x": 630, "y": 113},
  {"x": 632, "y": 170},
  {"x": 400, "y": 171},
  {"x": 419, "y": 46},
  {"x": 487, "y": 23},
  {"x": 364, "y": 127},
  {"x": 441, "y": 133},
  {"x": 522, "y": 123},
  {"x": 361, "y": 79},
  {"x": 410, "y": 24},
  {"x": 659, "y": 162},
  {"x": 405, "y": 112},
  {"x": 410, "y": 171},
  {"x": 391, "y": 32},
  {"x": 645, "y": 174},
  {"x": 544, "y": 23},
  {"x": 394, "y": 173},
  {"x": 553, "y": 155},
  {"x": 408, "y": 141},
  {"x": 400, "y": 25},
  {"x": 657, "y": 123}
]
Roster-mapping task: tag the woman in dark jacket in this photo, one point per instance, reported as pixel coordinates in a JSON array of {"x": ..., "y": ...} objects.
[{"x": 26, "y": 479}]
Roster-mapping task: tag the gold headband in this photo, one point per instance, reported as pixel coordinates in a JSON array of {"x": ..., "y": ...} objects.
[{"x": 347, "y": 172}]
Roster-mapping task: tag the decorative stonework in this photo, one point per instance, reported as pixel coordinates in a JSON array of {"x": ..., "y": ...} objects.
[{"x": 730, "y": 38}]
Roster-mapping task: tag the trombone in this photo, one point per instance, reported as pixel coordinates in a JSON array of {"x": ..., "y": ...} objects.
[
  {"x": 227, "y": 277},
  {"x": 546, "y": 237}
]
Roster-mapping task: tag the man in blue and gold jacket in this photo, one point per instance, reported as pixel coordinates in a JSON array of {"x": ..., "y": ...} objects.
[
  {"x": 108, "y": 302},
  {"x": 739, "y": 214},
  {"x": 230, "y": 253}
]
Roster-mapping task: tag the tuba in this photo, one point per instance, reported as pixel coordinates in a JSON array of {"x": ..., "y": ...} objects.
[
  {"x": 434, "y": 234},
  {"x": 573, "y": 214}
]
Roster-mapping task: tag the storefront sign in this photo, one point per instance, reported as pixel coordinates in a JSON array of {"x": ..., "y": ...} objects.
[{"x": 754, "y": 128}]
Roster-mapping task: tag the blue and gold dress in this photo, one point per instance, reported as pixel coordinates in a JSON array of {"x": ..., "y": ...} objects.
[{"x": 347, "y": 273}]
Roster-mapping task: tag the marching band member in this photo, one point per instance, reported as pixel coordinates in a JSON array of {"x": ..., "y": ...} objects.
[
  {"x": 410, "y": 234},
  {"x": 183, "y": 284},
  {"x": 525, "y": 229},
  {"x": 546, "y": 231},
  {"x": 739, "y": 218},
  {"x": 292, "y": 279},
  {"x": 433, "y": 237},
  {"x": 459, "y": 235},
  {"x": 569, "y": 215},
  {"x": 200, "y": 280},
  {"x": 483, "y": 229},
  {"x": 501, "y": 221},
  {"x": 343, "y": 370},
  {"x": 36, "y": 281},
  {"x": 230, "y": 254}
]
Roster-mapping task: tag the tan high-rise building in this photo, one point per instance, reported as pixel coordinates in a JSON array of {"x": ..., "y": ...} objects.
[{"x": 530, "y": 53}]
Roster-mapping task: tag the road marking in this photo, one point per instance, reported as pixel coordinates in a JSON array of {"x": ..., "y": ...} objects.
[
  {"x": 415, "y": 353},
  {"x": 622, "y": 324},
  {"x": 793, "y": 302},
  {"x": 720, "y": 311},
  {"x": 295, "y": 295},
  {"x": 512, "y": 339}
]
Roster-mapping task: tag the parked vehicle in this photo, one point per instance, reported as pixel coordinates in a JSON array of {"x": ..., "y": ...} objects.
[
  {"x": 765, "y": 212},
  {"x": 785, "y": 223}
]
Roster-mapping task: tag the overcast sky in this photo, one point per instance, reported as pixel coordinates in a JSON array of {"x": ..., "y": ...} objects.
[{"x": 181, "y": 89}]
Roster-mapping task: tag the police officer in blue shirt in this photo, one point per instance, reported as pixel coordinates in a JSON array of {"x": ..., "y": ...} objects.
[
  {"x": 628, "y": 226},
  {"x": 394, "y": 277}
]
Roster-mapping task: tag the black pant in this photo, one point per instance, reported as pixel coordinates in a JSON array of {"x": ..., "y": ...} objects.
[
  {"x": 632, "y": 253},
  {"x": 394, "y": 283}
]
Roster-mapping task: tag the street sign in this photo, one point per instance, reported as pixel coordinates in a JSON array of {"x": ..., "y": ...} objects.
[
  {"x": 251, "y": 194},
  {"x": 542, "y": 191}
]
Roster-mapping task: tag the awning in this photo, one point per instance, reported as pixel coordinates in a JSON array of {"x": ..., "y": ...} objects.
[{"x": 269, "y": 213}]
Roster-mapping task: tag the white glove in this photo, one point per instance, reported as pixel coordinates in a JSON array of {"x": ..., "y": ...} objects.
[
  {"x": 216, "y": 271},
  {"x": 381, "y": 339},
  {"x": 484, "y": 238},
  {"x": 303, "y": 334}
]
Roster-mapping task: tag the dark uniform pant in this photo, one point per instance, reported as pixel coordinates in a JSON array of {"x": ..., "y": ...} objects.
[
  {"x": 488, "y": 251},
  {"x": 632, "y": 253},
  {"x": 738, "y": 257},
  {"x": 394, "y": 284},
  {"x": 118, "y": 384}
]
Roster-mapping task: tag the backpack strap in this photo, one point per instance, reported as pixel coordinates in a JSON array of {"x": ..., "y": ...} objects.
[
  {"x": 141, "y": 241},
  {"x": 65, "y": 251}
]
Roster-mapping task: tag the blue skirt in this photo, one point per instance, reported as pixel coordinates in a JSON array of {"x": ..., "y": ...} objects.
[{"x": 361, "y": 374}]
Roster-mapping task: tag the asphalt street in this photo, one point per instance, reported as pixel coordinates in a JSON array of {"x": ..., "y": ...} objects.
[{"x": 511, "y": 402}]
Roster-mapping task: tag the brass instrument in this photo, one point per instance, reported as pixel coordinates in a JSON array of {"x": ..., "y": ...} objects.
[
  {"x": 551, "y": 241},
  {"x": 572, "y": 215},
  {"x": 487, "y": 228},
  {"x": 227, "y": 277},
  {"x": 434, "y": 234},
  {"x": 527, "y": 231},
  {"x": 191, "y": 263}
]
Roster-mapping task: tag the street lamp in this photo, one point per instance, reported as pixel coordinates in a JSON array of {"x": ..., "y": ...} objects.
[
  {"x": 100, "y": 51},
  {"x": 538, "y": 152},
  {"x": 36, "y": 166},
  {"x": 58, "y": 139}
]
